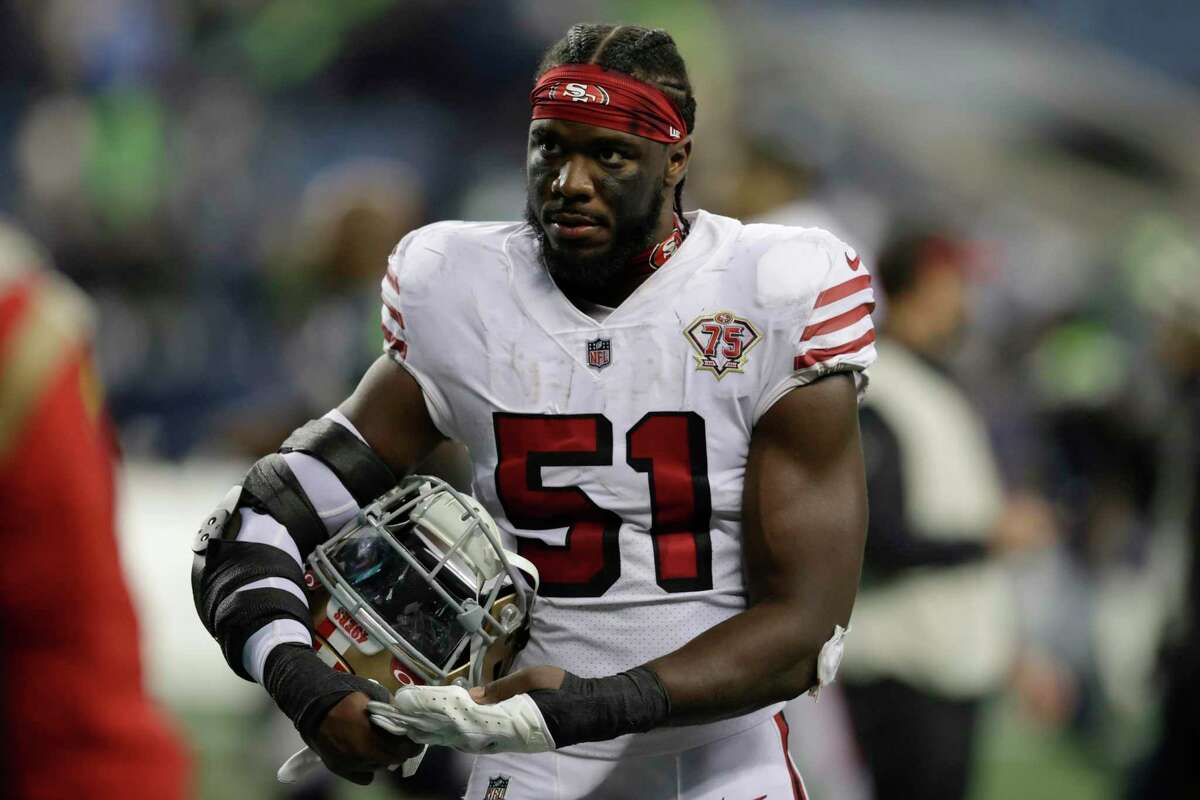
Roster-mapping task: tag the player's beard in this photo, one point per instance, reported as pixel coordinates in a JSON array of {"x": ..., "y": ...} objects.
[{"x": 592, "y": 276}]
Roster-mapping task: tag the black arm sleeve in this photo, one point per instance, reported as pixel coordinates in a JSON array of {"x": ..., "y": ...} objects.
[
  {"x": 599, "y": 709},
  {"x": 305, "y": 688},
  {"x": 891, "y": 544}
]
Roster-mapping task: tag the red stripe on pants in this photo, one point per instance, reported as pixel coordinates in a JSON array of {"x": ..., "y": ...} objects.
[{"x": 797, "y": 784}]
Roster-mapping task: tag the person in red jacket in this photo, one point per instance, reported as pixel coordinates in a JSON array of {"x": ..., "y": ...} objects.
[{"x": 74, "y": 718}]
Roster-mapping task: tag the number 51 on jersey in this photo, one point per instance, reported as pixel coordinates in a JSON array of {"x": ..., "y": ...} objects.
[{"x": 669, "y": 447}]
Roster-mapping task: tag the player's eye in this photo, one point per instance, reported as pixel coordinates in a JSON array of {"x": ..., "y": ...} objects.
[
  {"x": 548, "y": 148},
  {"x": 610, "y": 157}
]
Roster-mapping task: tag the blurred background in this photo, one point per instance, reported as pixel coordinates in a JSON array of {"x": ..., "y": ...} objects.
[{"x": 224, "y": 179}]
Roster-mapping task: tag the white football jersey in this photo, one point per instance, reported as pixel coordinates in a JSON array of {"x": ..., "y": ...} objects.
[{"x": 612, "y": 453}]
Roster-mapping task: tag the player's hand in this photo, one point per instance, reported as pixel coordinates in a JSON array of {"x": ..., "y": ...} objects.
[
  {"x": 352, "y": 747},
  {"x": 1045, "y": 687},
  {"x": 500, "y": 717},
  {"x": 520, "y": 682},
  {"x": 1028, "y": 523},
  {"x": 448, "y": 716}
]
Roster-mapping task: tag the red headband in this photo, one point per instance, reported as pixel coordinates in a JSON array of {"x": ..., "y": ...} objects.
[{"x": 592, "y": 95}]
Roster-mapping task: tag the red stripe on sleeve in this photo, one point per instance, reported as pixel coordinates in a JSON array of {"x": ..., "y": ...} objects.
[
  {"x": 817, "y": 356},
  {"x": 798, "y": 792},
  {"x": 835, "y": 293},
  {"x": 392, "y": 282},
  {"x": 837, "y": 323},
  {"x": 394, "y": 314},
  {"x": 399, "y": 345}
]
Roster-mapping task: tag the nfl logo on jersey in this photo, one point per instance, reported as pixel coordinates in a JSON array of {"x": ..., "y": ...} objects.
[
  {"x": 599, "y": 353},
  {"x": 497, "y": 788}
]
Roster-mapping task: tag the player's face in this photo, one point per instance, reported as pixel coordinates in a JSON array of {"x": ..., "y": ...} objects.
[{"x": 595, "y": 195}]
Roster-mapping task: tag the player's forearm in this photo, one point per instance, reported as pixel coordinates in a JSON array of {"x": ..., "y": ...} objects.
[
  {"x": 804, "y": 517},
  {"x": 764, "y": 655},
  {"x": 761, "y": 656}
]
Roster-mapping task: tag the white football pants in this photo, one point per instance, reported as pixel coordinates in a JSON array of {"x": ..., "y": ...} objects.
[{"x": 751, "y": 765}]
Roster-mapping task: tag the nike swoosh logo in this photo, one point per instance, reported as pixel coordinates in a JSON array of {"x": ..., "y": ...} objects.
[{"x": 853, "y": 262}]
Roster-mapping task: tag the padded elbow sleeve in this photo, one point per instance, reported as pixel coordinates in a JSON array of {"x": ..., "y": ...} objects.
[
  {"x": 251, "y": 591},
  {"x": 356, "y": 465},
  {"x": 271, "y": 486},
  {"x": 245, "y": 587}
]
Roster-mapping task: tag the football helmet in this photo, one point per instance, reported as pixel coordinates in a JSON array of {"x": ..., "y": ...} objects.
[{"x": 418, "y": 589}]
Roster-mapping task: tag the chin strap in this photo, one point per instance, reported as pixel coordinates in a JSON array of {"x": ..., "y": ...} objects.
[
  {"x": 528, "y": 570},
  {"x": 525, "y": 565}
]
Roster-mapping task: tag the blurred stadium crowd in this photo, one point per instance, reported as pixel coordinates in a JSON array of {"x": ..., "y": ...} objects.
[{"x": 224, "y": 178}]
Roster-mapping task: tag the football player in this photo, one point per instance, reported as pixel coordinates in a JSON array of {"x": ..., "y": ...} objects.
[
  {"x": 77, "y": 721},
  {"x": 661, "y": 411}
]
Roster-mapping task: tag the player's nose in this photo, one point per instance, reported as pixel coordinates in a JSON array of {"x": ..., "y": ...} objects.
[{"x": 574, "y": 179}]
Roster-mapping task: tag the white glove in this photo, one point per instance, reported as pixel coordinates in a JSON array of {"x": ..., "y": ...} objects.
[{"x": 448, "y": 716}]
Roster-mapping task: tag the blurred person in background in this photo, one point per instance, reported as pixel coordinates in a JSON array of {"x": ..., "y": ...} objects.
[
  {"x": 1167, "y": 284},
  {"x": 935, "y": 627},
  {"x": 76, "y": 721},
  {"x": 320, "y": 275},
  {"x": 775, "y": 184}
]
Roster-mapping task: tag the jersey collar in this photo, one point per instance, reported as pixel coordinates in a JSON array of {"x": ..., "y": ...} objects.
[
  {"x": 537, "y": 292},
  {"x": 653, "y": 258}
]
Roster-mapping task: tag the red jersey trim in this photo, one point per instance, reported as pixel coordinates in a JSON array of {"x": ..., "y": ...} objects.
[
  {"x": 837, "y": 323},
  {"x": 394, "y": 314},
  {"x": 395, "y": 344},
  {"x": 842, "y": 290},
  {"x": 814, "y": 357}
]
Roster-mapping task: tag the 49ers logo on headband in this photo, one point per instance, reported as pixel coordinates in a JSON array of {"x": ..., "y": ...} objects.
[
  {"x": 580, "y": 93},
  {"x": 593, "y": 95}
]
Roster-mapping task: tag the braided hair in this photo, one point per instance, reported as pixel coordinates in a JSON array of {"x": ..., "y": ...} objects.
[{"x": 648, "y": 54}]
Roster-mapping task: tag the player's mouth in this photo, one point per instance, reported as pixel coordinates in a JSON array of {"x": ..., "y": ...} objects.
[{"x": 574, "y": 227}]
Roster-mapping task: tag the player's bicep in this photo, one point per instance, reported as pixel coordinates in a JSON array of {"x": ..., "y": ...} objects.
[
  {"x": 388, "y": 409},
  {"x": 805, "y": 504}
]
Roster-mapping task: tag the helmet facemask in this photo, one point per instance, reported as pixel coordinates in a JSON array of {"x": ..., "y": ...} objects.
[{"x": 420, "y": 590}]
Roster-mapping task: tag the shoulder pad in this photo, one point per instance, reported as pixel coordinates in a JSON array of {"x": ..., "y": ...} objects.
[
  {"x": 422, "y": 258},
  {"x": 792, "y": 264}
]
